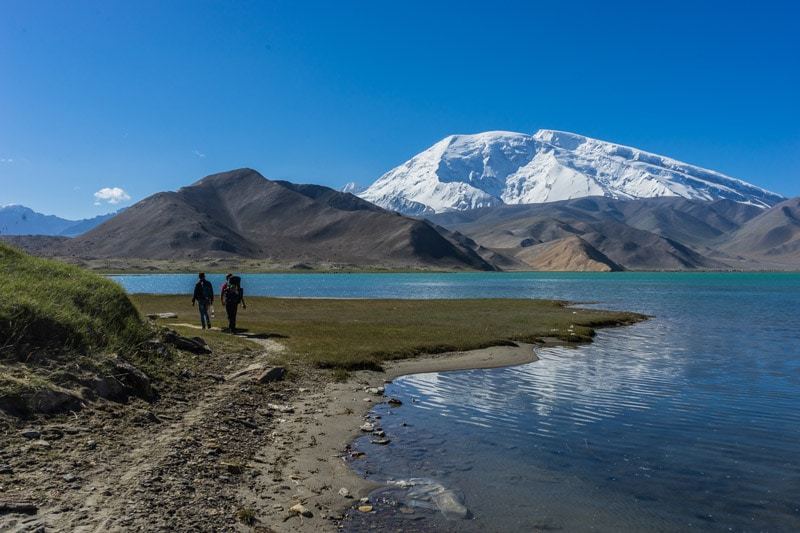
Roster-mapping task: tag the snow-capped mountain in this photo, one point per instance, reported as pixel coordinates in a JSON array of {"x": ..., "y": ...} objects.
[
  {"x": 352, "y": 187},
  {"x": 469, "y": 171}
]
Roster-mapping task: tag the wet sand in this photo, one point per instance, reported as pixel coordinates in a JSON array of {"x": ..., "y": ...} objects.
[{"x": 306, "y": 462}]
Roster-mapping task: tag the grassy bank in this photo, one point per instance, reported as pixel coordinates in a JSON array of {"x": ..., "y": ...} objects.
[
  {"x": 47, "y": 304},
  {"x": 352, "y": 334},
  {"x": 60, "y": 330}
]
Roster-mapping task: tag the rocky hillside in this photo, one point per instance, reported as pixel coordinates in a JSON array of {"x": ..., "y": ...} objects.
[
  {"x": 599, "y": 233},
  {"x": 242, "y": 214},
  {"x": 771, "y": 239}
]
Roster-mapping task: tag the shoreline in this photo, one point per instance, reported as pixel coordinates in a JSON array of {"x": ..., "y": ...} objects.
[{"x": 316, "y": 473}]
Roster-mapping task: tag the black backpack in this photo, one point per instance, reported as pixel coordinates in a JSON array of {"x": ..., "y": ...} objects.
[{"x": 233, "y": 294}]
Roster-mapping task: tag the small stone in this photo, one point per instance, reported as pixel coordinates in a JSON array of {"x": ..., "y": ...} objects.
[
  {"x": 363, "y": 500},
  {"x": 233, "y": 468},
  {"x": 69, "y": 478},
  {"x": 367, "y": 427},
  {"x": 30, "y": 433},
  {"x": 90, "y": 444},
  {"x": 272, "y": 374},
  {"x": 379, "y": 433},
  {"x": 52, "y": 434},
  {"x": 301, "y": 510},
  {"x": 394, "y": 402},
  {"x": 365, "y": 508},
  {"x": 281, "y": 408},
  {"x": 40, "y": 444},
  {"x": 344, "y": 492},
  {"x": 6, "y": 469},
  {"x": 18, "y": 507},
  {"x": 367, "y": 399},
  {"x": 278, "y": 507},
  {"x": 382, "y": 442}
]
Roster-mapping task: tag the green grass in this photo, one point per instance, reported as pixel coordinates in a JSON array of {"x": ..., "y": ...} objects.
[
  {"x": 60, "y": 324},
  {"x": 45, "y": 304},
  {"x": 356, "y": 334}
]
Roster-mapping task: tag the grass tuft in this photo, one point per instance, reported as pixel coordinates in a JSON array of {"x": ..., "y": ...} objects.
[{"x": 246, "y": 516}]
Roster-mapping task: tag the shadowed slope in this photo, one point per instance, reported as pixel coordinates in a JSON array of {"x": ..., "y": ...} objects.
[
  {"x": 241, "y": 213},
  {"x": 649, "y": 234},
  {"x": 773, "y": 236}
]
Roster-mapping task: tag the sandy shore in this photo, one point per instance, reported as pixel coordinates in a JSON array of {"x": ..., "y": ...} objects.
[
  {"x": 305, "y": 463},
  {"x": 218, "y": 451}
]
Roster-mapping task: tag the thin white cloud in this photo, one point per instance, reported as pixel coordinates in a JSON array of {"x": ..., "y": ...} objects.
[
  {"x": 6, "y": 160},
  {"x": 199, "y": 154},
  {"x": 111, "y": 195}
]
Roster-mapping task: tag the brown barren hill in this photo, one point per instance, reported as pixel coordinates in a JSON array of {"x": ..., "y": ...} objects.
[
  {"x": 570, "y": 254},
  {"x": 643, "y": 234},
  {"x": 242, "y": 214},
  {"x": 773, "y": 237}
]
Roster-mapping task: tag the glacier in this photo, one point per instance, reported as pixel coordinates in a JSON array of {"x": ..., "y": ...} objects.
[{"x": 463, "y": 172}]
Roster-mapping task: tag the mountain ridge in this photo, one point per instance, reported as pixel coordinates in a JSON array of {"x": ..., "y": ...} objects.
[
  {"x": 462, "y": 172},
  {"x": 641, "y": 234},
  {"x": 242, "y": 214},
  {"x": 18, "y": 219}
]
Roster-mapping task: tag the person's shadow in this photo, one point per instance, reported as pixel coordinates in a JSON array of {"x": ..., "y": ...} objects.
[{"x": 246, "y": 333}]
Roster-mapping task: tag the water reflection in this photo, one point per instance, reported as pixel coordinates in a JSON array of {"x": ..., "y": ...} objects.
[{"x": 689, "y": 420}]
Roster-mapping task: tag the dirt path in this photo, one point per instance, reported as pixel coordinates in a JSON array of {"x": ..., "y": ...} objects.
[{"x": 175, "y": 466}]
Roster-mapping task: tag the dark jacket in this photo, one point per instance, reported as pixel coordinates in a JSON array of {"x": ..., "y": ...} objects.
[{"x": 203, "y": 292}]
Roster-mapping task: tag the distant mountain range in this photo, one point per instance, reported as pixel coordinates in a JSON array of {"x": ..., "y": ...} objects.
[
  {"x": 599, "y": 233},
  {"x": 242, "y": 214},
  {"x": 21, "y": 220},
  {"x": 463, "y": 172}
]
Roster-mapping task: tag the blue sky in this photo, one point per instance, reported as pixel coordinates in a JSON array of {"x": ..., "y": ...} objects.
[{"x": 148, "y": 96}]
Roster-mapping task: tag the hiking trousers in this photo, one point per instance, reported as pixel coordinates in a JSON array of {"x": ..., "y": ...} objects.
[
  {"x": 231, "y": 309},
  {"x": 205, "y": 320}
]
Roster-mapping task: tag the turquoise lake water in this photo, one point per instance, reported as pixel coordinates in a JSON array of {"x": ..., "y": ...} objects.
[{"x": 690, "y": 420}]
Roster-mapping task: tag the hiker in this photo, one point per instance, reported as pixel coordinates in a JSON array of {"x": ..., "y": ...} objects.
[
  {"x": 222, "y": 290},
  {"x": 231, "y": 298},
  {"x": 228, "y": 276},
  {"x": 204, "y": 296}
]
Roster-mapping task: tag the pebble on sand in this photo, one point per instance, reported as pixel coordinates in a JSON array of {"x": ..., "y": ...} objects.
[{"x": 300, "y": 509}]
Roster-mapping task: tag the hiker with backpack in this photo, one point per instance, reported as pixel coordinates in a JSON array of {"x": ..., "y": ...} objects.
[
  {"x": 204, "y": 296},
  {"x": 228, "y": 276},
  {"x": 232, "y": 296}
]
